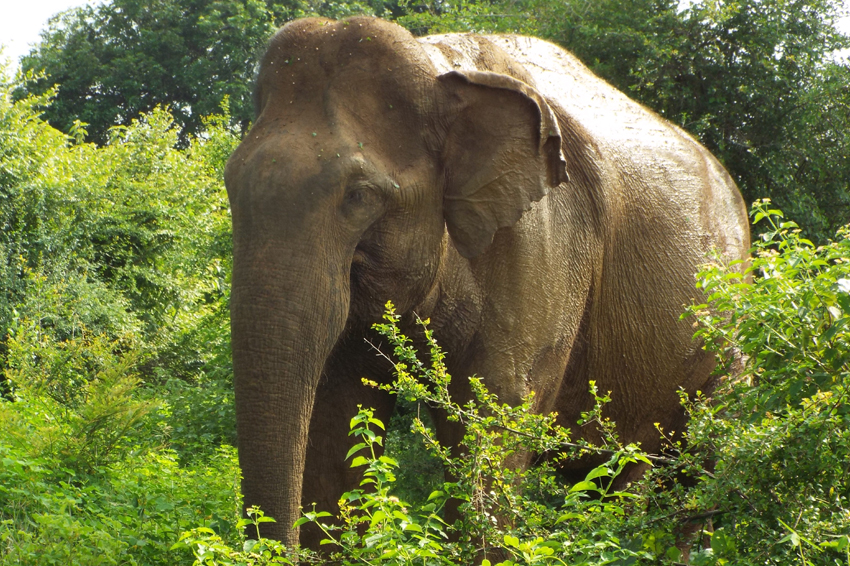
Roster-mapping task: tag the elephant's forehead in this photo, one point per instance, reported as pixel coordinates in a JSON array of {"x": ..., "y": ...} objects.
[
  {"x": 313, "y": 141},
  {"x": 304, "y": 144},
  {"x": 306, "y": 57}
]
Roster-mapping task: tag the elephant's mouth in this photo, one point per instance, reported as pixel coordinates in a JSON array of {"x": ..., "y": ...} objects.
[{"x": 360, "y": 257}]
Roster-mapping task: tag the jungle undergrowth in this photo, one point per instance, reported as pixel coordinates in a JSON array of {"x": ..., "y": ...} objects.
[{"x": 510, "y": 515}]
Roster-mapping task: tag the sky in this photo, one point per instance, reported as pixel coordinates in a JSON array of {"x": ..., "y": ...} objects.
[{"x": 22, "y": 20}]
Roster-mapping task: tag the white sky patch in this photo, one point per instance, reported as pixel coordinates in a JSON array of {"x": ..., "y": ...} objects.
[{"x": 23, "y": 20}]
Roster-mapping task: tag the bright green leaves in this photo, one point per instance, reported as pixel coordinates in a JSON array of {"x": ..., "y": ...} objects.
[
  {"x": 374, "y": 526},
  {"x": 792, "y": 321},
  {"x": 114, "y": 340},
  {"x": 209, "y": 549},
  {"x": 779, "y": 424}
]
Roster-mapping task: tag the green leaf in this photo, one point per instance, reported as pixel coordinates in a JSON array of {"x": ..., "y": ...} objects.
[
  {"x": 435, "y": 494},
  {"x": 378, "y": 516},
  {"x": 598, "y": 472},
  {"x": 354, "y": 449},
  {"x": 584, "y": 486},
  {"x": 568, "y": 516},
  {"x": 511, "y": 541},
  {"x": 249, "y": 545}
]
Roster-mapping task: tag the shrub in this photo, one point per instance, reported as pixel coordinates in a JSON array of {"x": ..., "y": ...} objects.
[
  {"x": 779, "y": 427},
  {"x": 508, "y": 515},
  {"x": 114, "y": 341}
]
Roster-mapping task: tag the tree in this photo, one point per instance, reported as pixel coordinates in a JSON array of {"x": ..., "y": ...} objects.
[{"x": 111, "y": 63}]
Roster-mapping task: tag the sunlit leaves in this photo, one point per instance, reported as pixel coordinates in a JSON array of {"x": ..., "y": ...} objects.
[{"x": 779, "y": 427}]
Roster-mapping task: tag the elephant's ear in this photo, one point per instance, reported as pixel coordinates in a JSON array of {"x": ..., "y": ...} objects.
[{"x": 502, "y": 153}]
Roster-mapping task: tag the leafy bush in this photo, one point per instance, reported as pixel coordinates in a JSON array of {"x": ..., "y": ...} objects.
[
  {"x": 779, "y": 427},
  {"x": 130, "y": 513},
  {"x": 421, "y": 473},
  {"x": 116, "y": 409}
]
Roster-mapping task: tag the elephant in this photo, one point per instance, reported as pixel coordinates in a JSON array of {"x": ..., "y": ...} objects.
[{"x": 549, "y": 227}]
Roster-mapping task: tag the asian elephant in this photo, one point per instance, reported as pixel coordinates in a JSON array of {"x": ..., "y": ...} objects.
[{"x": 548, "y": 226}]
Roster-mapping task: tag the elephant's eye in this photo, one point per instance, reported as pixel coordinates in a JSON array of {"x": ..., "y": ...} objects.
[
  {"x": 361, "y": 202},
  {"x": 360, "y": 194},
  {"x": 357, "y": 196}
]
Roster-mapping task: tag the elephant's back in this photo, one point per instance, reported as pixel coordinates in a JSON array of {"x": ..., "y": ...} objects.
[
  {"x": 638, "y": 143},
  {"x": 610, "y": 117},
  {"x": 664, "y": 173}
]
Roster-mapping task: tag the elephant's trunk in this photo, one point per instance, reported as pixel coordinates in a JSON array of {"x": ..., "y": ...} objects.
[{"x": 286, "y": 315}]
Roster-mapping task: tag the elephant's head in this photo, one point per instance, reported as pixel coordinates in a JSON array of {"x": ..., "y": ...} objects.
[{"x": 360, "y": 160}]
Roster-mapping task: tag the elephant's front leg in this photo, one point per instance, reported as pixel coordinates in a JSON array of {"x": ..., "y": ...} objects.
[{"x": 327, "y": 474}]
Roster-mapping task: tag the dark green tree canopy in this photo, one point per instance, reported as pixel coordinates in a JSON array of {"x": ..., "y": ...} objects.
[{"x": 115, "y": 61}]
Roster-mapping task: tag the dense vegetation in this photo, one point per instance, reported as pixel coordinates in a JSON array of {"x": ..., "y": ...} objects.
[
  {"x": 116, "y": 420},
  {"x": 116, "y": 410}
]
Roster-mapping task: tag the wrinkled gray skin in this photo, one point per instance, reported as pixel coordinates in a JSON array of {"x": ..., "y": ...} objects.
[{"x": 549, "y": 227}]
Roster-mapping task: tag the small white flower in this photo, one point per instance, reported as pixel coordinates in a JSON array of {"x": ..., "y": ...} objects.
[{"x": 844, "y": 285}]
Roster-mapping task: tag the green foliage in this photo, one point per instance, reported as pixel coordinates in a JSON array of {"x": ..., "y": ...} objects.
[
  {"x": 292, "y": 9},
  {"x": 109, "y": 64},
  {"x": 422, "y": 473},
  {"x": 113, "y": 62},
  {"x": 131, "y": 513},
  {"x": 755, "y": 82},
  {"x": 209, "y": 549},
  {"x": 124, "y": 239},
  {"x": 117, "y": 406},
  {"x": 393, "y": 535},
  {"x": 779, "y": 426}
]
